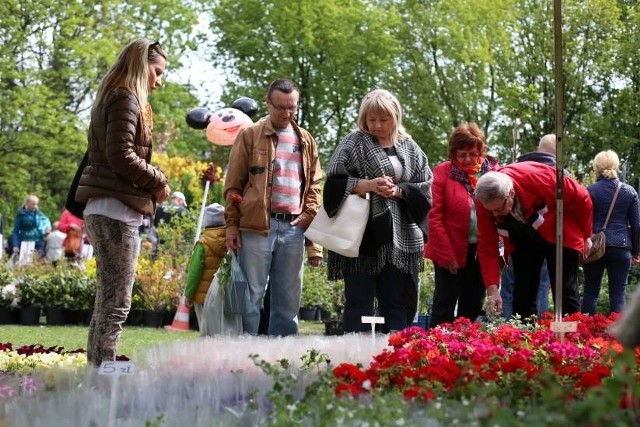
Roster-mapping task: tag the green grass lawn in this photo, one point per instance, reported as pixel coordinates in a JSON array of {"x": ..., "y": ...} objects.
[{"x": 134, "y": 339}]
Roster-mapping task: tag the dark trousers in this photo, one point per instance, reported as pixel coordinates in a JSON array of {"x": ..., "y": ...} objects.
[
  {"x": 527, "y": 263},
  {"x": 390, "y": 289},
  {"x": 465, "y": 288},
  {"x": 617, "y": 262}
]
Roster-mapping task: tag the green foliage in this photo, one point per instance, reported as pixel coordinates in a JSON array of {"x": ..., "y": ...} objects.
[
  {"x": 427, "y": 288},
  {"x": 63, "y": 286},
  {"x": 54, "y": 54},
  {"x": 336, "y": 51},
  {"x": 317, "y": 290}
]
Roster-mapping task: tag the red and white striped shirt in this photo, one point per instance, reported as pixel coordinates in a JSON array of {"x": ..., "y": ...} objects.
[{"x": 286, "y": 191}]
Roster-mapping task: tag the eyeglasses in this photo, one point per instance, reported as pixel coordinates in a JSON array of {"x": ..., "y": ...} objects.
[
  {"x": 283, "y": 108},
  {"x": 154, "y": 44},
  {"x": 501, "y": 208},
  {"x": 461, "y": 155}
]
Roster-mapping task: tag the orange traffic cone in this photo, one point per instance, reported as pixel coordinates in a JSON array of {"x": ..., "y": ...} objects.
[{"x": 181, "y": 320}]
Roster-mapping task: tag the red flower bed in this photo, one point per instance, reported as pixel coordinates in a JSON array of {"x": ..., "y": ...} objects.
[{"x": 464, "y": 358}]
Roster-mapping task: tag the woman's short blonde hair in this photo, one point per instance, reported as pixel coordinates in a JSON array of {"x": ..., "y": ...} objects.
[
  {"x": 383, "y": 102},
  {"x": 606, "y": 163}
]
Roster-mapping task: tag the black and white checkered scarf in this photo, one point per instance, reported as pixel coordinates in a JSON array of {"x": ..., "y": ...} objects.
[{"x": 394, "y": 233}]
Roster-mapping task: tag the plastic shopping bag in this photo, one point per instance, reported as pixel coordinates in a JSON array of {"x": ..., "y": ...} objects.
[
  {"x": 236, "y": 291},
  {"x": 214, "y": 320}
]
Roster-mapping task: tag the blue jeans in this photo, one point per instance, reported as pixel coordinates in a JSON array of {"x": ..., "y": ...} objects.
[
  {"x": 506, "y": 290},
  {"x": 276, "y": 259},
  {"x": 617, "y": 261}
]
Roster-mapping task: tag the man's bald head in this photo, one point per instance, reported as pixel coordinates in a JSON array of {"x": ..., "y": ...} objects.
[{"x": 548, "y": 144}]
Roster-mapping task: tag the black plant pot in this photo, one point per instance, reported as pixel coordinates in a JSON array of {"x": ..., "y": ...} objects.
[
  {"x": 333, "y": 327},
  {"x": 324, "y": 314},
  {"x": 56, "y": 316},
  {"x": 134, "y": 318},
  {"x": 30, "y": 315},
  {"x": 168, "y": 317},
  {"x": 308, "y": 313},
  {"x": 79, "y": 317},
  {"x": 8, "y": 316},
  {"x": 152, "y": 319}
]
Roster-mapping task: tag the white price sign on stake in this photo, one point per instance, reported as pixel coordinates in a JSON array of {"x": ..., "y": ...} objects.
[
  {"x": 564, "y": 326},
  {"x": 116, "y": 368},
  {"x": 372, "y": 319}
]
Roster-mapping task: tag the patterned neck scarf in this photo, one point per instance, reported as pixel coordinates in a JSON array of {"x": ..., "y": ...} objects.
[{"x": 470, "y": 171}]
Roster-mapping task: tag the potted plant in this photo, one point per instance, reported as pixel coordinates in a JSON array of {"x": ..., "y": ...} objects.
[
  {"x": 48, "y": 289},
  {"x": 332, "y": 316},
  {"x": 9, "y": 297},
  {"x": 316, "y": 292},
  {"x": 30, "y": 297},
  {"x": 160, "y": 286},
  {"x": 81, "y": 292}
]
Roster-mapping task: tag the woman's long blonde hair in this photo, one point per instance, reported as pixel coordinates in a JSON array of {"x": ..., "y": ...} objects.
[
  {"x": 131, "y": 72},
  {"x": 382, "y": 101}
]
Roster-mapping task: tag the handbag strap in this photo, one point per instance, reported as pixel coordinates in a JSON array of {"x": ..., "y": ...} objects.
[{"x": 613, "y": 202}]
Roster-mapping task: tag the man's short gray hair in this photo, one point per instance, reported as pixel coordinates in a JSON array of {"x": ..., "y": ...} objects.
[{"x": 493, "y": 185}]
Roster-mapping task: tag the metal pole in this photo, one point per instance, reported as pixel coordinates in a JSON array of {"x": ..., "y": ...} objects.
[
  {"x": 557, "y": 27},
  {"x": 201, "y": 216}
]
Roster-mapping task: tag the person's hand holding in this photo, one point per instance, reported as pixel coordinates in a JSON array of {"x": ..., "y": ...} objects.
[
  {"x": 494, "y": 297},
  {"x": 452, "y": 267},
  {"x": 384, "y": 186},
  {"x": 15, "y": 249},
  {"x": 587, "y": 247},
  {"x": 234, "y": 242},
  {"x": 163, "y": 194}
]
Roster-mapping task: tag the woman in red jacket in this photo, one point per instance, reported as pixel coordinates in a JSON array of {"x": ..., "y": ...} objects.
[
  {"x": 452, "y": 226},
  {"x": 518, "y": 202}
]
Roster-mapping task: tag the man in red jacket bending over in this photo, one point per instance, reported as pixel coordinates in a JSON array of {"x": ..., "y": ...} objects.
[{"x": 518, "y": 203}]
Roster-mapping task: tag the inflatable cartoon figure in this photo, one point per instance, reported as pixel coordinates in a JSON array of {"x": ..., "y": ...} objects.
[{"x": 223, "y": 126}]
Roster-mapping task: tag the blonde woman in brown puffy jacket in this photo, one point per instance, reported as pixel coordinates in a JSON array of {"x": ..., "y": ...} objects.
[{"x": 119, "y": 185}]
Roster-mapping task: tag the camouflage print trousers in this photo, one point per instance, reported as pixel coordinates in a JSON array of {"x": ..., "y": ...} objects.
[{"x": 116, "y": 247}]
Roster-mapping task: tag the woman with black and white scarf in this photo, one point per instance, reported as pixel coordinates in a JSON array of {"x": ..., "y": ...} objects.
[{"x": 381, "y": 159}]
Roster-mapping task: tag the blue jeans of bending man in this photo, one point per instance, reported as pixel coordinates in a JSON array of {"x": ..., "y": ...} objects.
[
  {"x": 506, "y": 290},
  {"x": 617, "y": 261},
  {"x": 276, "y": 259}
]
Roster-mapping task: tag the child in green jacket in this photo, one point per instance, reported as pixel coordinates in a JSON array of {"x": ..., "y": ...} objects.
[{"x": 205, "y": 260}]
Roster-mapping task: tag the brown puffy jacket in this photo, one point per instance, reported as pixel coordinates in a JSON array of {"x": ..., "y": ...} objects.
[{"x": 119, "y": 156}]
